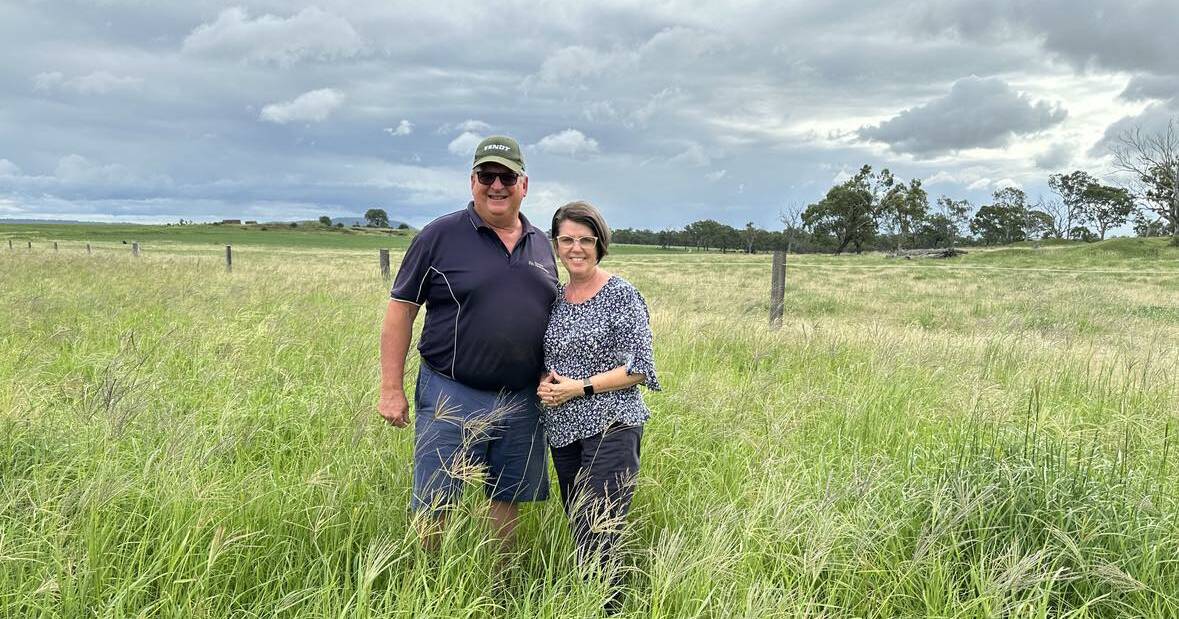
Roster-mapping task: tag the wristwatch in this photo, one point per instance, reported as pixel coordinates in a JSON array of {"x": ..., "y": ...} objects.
[{"x": 587, "y": 387}]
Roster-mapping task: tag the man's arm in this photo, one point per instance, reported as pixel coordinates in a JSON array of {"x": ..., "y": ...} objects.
[{"x": 396, "y": 332}]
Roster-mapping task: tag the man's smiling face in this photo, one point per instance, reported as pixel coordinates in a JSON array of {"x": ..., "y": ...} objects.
[{"x": 497, "y": 201}]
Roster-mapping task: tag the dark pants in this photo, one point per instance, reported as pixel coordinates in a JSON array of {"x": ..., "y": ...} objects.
[{"x": 597, "y": 480}]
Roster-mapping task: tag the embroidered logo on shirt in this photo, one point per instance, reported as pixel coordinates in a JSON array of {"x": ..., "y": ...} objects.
[{"x": 539, "y": 266}]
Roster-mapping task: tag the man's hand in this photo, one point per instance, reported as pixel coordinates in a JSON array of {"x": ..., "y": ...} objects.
[
  {"x": 395, "y": 336},
  {"x": 394, "y": 408}
]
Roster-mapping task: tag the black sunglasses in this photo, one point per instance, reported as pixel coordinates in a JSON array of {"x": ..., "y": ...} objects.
[{"x": 507, "y": 179}]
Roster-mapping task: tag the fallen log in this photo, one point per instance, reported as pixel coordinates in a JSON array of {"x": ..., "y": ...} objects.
[{"x": 941, "y": 252}]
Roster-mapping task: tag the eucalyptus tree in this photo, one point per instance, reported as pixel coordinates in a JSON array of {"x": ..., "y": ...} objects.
[
  {"x": 851, "y": 210},
  {"x": 1152, "y": 161}
]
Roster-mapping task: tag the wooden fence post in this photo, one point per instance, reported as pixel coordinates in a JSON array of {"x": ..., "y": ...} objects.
[
  {"x": 777, "y": 289},
  {"x": 88, "y": 249},
  {"x": 55, "y": 246},
  {"x": 229, "y": 258},
  {"x": 9, "y": 243},
  {"x": 385, "y": 263},
  {"x": 30, "y": 244},
  {"x": 135, "y": 249}
]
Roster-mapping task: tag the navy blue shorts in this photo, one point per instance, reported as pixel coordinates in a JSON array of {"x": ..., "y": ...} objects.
[{"x": 467, "y": 435}]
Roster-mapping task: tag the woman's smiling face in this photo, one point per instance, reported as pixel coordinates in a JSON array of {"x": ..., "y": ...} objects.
[{"x": 580, "y": 257}]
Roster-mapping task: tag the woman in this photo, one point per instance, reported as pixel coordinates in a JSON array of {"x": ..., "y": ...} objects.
[{"x": 598, "y": 350}]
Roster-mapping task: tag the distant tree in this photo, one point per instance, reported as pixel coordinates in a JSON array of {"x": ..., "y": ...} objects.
[
  {"x": 1037, "y": 224},
  {"x": 376, "y": 218},
  {"x": 1081, "y": 233},
  {"x": 325, "y": 220},
  {"x": 1071, "y": 189},
  {"x": 665, "y": 237},
  {"x": 1148, "y": 225},
  {"x": 695, "y": 232},
  {"x": 904, "y": 207},
  {"x": 1004, "y": 220},
  {"x": 294, "y": 224},
  {"x": 750, "y": 238},
  {"x": 1152, "y": 160},
  {"x": 937, "y": 230},
  {"x": 792, "y": 226},
  {"x": 957, "y": 212},
  {"x": 728, "y": 238},
  {"x": 850, "y": 210},
  {"x": 1108, "y": 207},
  {"x": 711, "y": 233},
  {"x": 339, "y": 224},
  {"x": 403, "y": 226},
  {"x": 1057, "y": 212},
  {"x": 845, "y": 213}
]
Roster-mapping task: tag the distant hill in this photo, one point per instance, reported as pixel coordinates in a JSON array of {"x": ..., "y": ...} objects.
[
  {"x": 51, "y": 221},
  {"x": 347, "y": 221}
]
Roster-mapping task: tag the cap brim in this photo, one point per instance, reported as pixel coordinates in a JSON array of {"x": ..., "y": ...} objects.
[{"x": 507, "y": 163}]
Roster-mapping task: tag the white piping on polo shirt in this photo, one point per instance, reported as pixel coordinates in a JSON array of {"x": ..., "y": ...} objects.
[{"x": 457, "y": 314}]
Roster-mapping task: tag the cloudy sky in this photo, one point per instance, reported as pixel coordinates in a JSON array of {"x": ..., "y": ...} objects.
[{"x": 659, "y": 112}]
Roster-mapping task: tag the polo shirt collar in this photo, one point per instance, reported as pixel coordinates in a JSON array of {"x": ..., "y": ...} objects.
[{"x": 478, "y": 222}]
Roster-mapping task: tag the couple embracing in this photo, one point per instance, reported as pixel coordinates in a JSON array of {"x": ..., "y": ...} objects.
[{"x": 515, "y": 365}]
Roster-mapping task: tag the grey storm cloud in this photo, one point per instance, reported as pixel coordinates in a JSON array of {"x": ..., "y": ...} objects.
[
  {"x": 1128, "y": 36},
  {"x": 1055, "y": 157},
  {"x": 977, "y": 113},
  {"x": 209, "y": 109},
  {"x": 1147, "y": 87}
]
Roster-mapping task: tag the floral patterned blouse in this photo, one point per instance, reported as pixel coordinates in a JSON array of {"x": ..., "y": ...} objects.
[{"x": 608, "y": 330}]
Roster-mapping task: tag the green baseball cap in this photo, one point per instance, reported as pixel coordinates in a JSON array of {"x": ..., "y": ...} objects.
[{"x": 502, "y": 150}]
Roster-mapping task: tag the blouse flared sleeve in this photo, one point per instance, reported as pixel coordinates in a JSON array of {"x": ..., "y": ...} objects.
[{"x": 637, "y": 343}]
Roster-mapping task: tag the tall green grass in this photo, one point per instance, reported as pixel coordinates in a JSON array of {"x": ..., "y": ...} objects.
[{"x": 917, "y": 440}]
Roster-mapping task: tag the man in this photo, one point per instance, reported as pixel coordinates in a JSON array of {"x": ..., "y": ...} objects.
[{"x": 487, "y": 279}]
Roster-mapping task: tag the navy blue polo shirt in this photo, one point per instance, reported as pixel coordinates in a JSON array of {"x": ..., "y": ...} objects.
[{"x": 486, "y": 309}]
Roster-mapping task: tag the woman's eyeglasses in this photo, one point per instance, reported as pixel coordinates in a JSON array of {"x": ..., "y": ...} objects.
[
  {"x": 507, "y": 179},
  {"x": 585, "y": 242}
]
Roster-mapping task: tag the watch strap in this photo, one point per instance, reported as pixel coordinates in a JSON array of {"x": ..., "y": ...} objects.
[{"x": 587, "y": 386}]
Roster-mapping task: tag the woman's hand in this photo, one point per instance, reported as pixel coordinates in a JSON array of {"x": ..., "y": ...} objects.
[{"x": 556, "y": 390}]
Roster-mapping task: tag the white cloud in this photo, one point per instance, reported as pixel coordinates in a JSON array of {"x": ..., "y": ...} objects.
[
  {"x": 571, "y": 66},
  {"x": 942, "y": 177},
  {"x": 313, "y": 106},
  {"x": 982, "y": 183},
  {"x": 1008, "y": 182},
  {"x": 544, "y": 198},
  {"x": 465, "y": 144},
  {"x": 309, "y": 34},
  {"x": 95, "y": 83},
  {"x": 716, "y": 176},
  {"x": 74, "y": 169},
  {"x": 987, "y": 184},
  {"x": 102, "y": 82},
  {"x": 471, "y": 125},
  {"x": 570, "y": 142},
  {"x": 44, "y": 82},
  {"x": 8, "y": 168},
  {"x": 403, "y": 128},
  {"x": 694, "y": 156}
]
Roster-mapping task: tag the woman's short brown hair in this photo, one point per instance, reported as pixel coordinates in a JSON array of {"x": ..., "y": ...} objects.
[{"x": 586, "y": 214}]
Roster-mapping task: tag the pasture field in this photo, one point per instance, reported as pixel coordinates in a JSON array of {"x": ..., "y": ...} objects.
[{"x": 991, "y": 436}]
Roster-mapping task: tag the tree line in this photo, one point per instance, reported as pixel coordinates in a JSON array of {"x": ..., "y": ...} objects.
[{"x": 876, "y": 210}]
